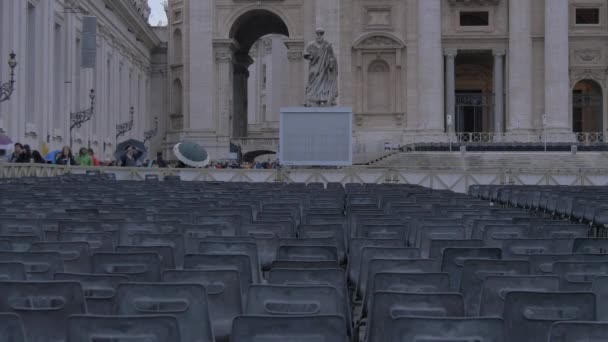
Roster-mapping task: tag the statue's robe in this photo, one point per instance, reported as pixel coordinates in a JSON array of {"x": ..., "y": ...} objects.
[{"x": 322, "y": 88}]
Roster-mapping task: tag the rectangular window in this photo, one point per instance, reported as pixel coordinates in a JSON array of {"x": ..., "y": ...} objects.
[
  {"x": 477, "y": 18},
  {"x": 587, "y": 16},
  {"x": 30, "y": 58}
]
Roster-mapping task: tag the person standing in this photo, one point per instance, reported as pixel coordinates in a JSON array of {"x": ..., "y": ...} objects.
[
  {"x": 84, "y": 159},
  {"x": 95, "y": 160}
]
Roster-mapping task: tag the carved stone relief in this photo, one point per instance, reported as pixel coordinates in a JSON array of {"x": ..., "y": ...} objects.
[{"x": 588, "y": 56}]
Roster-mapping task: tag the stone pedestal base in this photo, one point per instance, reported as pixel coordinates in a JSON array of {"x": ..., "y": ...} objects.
[{"x": 311, "y": 136}]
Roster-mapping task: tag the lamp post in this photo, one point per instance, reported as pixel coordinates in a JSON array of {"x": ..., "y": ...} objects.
[
  {"x": 148, "y": 135},
  {"x": 6, "y": 89},
  {"x": 80, "y": 117},
  {"x": 123, "y": 128}
]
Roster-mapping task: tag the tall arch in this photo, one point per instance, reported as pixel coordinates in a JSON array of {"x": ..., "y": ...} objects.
[
  {"x": 177, "y": 103},
  {"x": 178, "y": 47},
  {"x": 587, "y": 107}
]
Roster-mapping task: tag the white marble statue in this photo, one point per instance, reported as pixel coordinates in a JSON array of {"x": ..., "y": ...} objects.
[{"x": 322, "y": 88}]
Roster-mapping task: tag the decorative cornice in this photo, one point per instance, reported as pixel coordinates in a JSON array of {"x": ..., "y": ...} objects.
[{"x": 474, "y": 2}]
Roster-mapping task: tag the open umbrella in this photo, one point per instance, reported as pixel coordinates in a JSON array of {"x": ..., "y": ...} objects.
[
  {"x": 5, "y": 142},
  {"x": 122, "y": 148},
  {"x": 191, "y": 154},
  {"x": 52, "y": 156}
]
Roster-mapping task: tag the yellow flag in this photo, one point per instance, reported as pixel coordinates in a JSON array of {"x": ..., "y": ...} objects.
[{"x": 44, "y": 149}]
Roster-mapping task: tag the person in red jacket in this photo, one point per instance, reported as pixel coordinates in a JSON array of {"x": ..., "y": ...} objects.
[{"x": 95, "y": 160}]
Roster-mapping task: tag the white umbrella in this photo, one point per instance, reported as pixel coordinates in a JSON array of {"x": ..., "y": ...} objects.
[{"x": 191, "y": 154}]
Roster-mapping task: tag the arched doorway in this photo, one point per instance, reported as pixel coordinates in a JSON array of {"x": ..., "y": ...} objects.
[
  {"x": 245, "y": 32},
  {"x": 587, "y": 107}
]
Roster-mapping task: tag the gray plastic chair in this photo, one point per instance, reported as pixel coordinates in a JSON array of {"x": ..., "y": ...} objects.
[
  {"x": 267, "y": 243},
  {"x": 591, "y": 246},
  {"x": 12, "y": 271},
  {"x": 44, "y": 307},
  {"x": 11, "y": 328},
  {"x": 524, "y": 248},
  {"x": 600, "y": 288},
  {"x": 223, "y": 292},
  {"x": 299, "y": 277},
  {"x": 153, "y": 328},
  {"x": 447, "y": 329},
  {"x": 139, "y": 267},
  {"x": 356, "y": 249},
  {"x": 76, "y": 255},
  {"x": 542, "y": 264},
  {"x": 428, "y": 233},
  {"x": 293, "y": 329},
  {"x": 99, "y": 242},
  {"x": 175, "y": 241},
  {"x": 494, "y": 235},
  {"x": 386, "y": 307},
  {"x": 529, "y": 315},
  {"x": 369, "y": 253},
  {"x": 305, "y": 265},
  {"x": 394, "y": 266},
  {"x": 495, "y": 289},
  {"x": 187, "y": 302},
  {"x": 579, "y": 276},
  {"x": 454, "y": 259},
  {"x": 38, "y": 265},
  {"x": 20, "y": 243},
  {"x": 231, "y": 262},
  {"x": 99, "y": 290},
  {"x": 579, "y": 332},
  {"x": 560, "y": 231},
  {"x": 5, "y": 246},
  {"x": 249, "y": 249},
  {"x": 438, "y": 246},
  {"x": 326, "y": 241},
  {"x": 308, "y": 253},
  {"x": 165, "y": 253}
]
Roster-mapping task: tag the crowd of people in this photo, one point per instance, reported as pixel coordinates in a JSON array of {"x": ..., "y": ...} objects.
[{"x": 131, "y": 158}]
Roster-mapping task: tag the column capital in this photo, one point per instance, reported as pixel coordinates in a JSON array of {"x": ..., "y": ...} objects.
[
  {"x": 450, "y": 52},
  {"x": 499, "y": 52}
]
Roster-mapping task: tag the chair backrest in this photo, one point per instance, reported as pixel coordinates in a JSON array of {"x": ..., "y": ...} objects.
[
  {"x": 292, "y": 329},
  {"x": 76, "y": 255},
  {"x": 308, "y": 253},
  {"x": 356, "y": 248},
  {"x": 115, "y": 328},
  {"x": 600, "y": 288},
  {"x": 305, "y": 265},
  {"x": 99, "y": 242},
  {"x": 99, "y": 290},
  {"x": 579, "y": 331},
  {"x": 529, "y": 315},
  {"x": 370, "y": 253},
  {"x": 579, "y": 276},
  {"x": 139, "y": 267},
  {"x": 249, "y": 249},
  {"x": 165, "y": 253},
  {"x": 438, "y": 246},
  {"x": 454, "y": 259},
  {"x": 223, "y": 292},
  {"x": 591, "y": 246},
  {"x": 428, "y": 233},
  {"x": 187, "y": 302},
  {"x": 542, "y": 264},
  {"x": 386, "y": 307},
  {"x": 38, "y": 265},
  {"x": 448, "y": 329},
  {"x": 494, "y": 235},
  {"x": 495, "y": 289},
  {"x": 476, "y": 271},
  {"x": 319, "y": 241},
  {"x": 44, "y": 307},
  {"x": 231, "y": 262},
  {"x": 176, "y": 241},
  {"x": 19, "y": 243},
  {"x": 12, "y": 271},
  {"x": 11, "y": 328},
  {"x": 524, "y": 248}
]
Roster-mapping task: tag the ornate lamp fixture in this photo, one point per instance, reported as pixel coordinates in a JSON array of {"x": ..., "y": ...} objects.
[
  {"x": 6, "y": 89},
  {"x": 148, "y": 135},
  {"x": 123, "y": 128},
  {"x": 79, "y": 118}
]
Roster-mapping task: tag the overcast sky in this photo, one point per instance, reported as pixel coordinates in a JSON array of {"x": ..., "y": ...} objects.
[{"x": 158, "y": 13}]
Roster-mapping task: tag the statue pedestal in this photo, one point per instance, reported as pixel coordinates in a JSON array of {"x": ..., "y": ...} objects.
[{"x": 316, "y": 136}]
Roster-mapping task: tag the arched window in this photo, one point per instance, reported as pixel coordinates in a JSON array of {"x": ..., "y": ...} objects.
[
  {"x": 587, "y": 107},
  {"x": 378, "y": 87},
  {"x": 177, "y": 47}
]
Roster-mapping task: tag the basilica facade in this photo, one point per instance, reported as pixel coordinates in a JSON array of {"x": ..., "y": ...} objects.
[
  {"x": 412, "y": 70},
  {"x": 52, "y": 85}
]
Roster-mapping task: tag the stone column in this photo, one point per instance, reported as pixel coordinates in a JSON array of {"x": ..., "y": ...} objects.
[
  {"x": 450, "y": 88},
  {"x": 224, "y": 91},
  {"x": 557, "y": 83},
  {"x": 241, "y": 75},
  {"x": 430, "y": 64},
  {"x": 296, "y": 72},
  {"x": 520, "y": 66},
  {"x": 499, "y": 91}
]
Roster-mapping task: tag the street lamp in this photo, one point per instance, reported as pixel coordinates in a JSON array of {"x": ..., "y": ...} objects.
[
  {"x": 123, "y": 128},
  {"x": 6, "y": 90},
  {"x": 148, "y": 135},
  {"x": 80, "y": 117}
]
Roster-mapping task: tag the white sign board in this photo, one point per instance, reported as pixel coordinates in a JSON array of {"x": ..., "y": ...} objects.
[{"x": 311, "y": 136}]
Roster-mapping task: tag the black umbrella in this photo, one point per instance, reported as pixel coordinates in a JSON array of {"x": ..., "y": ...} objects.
[{"x": 124, "y": 146}]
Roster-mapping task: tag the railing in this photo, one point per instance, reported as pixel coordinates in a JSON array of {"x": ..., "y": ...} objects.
[
  {"x": 528, "y": 137},
  {"x": 248, "y": 143}
]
